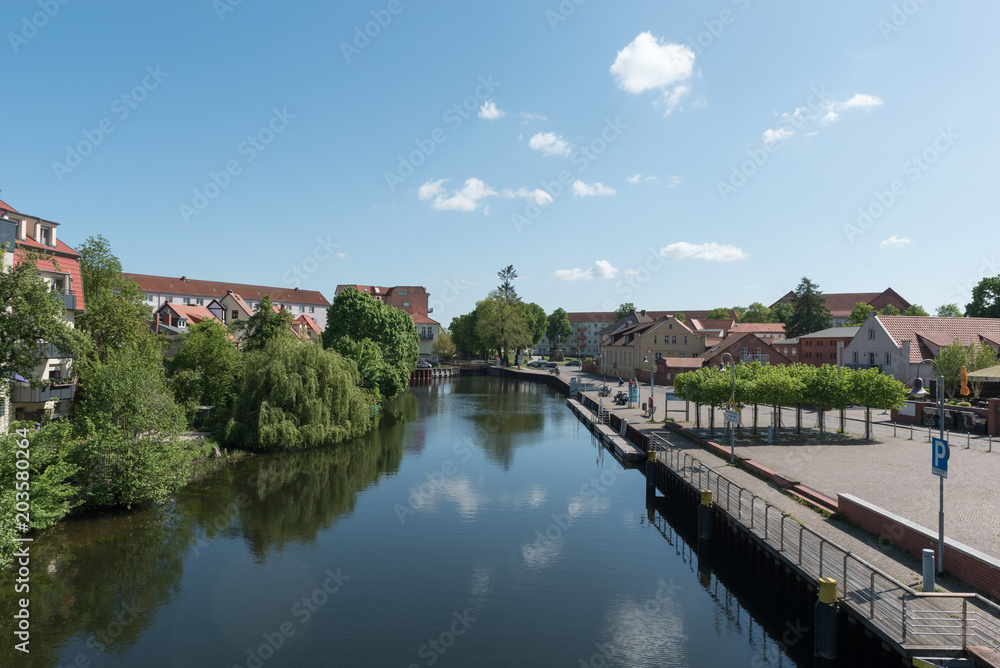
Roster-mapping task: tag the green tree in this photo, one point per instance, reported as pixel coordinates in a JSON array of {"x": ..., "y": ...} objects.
[
  {"x": 537, "y": 322},
  {"x": 950, "y": 361},
  {"x": 859, "y": 314},
  {"x": 985, "y": 299},
  {"x": 29, "y": 312},
  {"x": 558, "y": 327},
  {"x": 623, "y": 310},
  {"x": 681, "y": 317},
  {"x": 719, "y": 314},
  {"x": 949, "y": 311},
  {"x": 501, "y": 325},
  {"x": 206, "y": 369},
  {"x": 296, "y": 396},
  {"x": 463, "y": 333},
  {"x": 809, "y": 312},
  {"x": 117, "y": 316},
  {"x": 980, "y": 355},
  {"x": 916, "y": 310},
  {"x": 889, "y": 310},
  {"x": 130, "y": 452},
  {"x": 740, "y": 311},
  {"x": 257, "y": 331},
  {"x": 444, "y": 347},
  {"x": 756, "y": 312},
  {"x": 873, "y": 389},
  {"x": 782, "y": 312},
  {"x": 381, "y": 339}
]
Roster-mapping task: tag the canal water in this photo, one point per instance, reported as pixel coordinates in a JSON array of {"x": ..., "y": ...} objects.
[{"x": 481, "y": 525}]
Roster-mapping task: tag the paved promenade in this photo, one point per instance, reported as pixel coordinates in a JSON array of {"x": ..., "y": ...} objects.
[{"x": 894, "y": 474}]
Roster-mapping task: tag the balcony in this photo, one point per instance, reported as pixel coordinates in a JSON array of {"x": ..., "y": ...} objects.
[
  {"x": 68, "y": 300},
  {"x": 757, "y": 357},
  {"x": 50, "y": 351},
  {"x": 31, "y": 395},
  {"x": 424, "y": 336}
]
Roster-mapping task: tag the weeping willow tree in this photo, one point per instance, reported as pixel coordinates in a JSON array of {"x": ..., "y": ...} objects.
[{"x": 294, "y": 395}]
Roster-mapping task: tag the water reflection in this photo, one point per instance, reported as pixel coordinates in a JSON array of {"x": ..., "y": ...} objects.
[{"x": 102, "y": 580}]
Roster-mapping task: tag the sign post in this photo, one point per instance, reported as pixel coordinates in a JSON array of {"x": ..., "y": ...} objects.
[{"x": 939, "y": 460}]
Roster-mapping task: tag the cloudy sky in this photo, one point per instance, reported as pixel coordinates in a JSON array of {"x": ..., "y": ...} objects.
[{"x": 676, "y": 155}]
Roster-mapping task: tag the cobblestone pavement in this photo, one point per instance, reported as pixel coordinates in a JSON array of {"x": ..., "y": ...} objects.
[{"x": 894, "y": 474}]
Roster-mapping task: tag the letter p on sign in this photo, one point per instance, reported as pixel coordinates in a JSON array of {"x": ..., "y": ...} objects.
[{"x": 939, "y": 463}]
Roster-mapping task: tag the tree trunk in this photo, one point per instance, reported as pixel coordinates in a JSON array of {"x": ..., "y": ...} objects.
[
  {"x": 711, "y": 420},
  {"x": 843, "y": 421},
  {"x": 798, "y": 419},
  {"x": 755, "y": 419},
  {"x": 868, "y": 422}
]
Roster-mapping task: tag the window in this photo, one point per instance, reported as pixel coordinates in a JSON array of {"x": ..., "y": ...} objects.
[
  {"x": 201, "y": 302},
  {"x": 871, "y": 359},
  {"x": 854, "y": 357},
  {"x": 187, "y": 301},
  {"x": 57, "y": 285},
  {"x": 888, "y": 358},
  {"x": 654, "y": 339},
  {"x": 871, "y": 334},
  {"x": 673, "y": 340},
  {"x": 685, "y": 340},
  {"x": 833, "y": 356},
  {"x": 682, "y": 355},
  {"x": 745, "y": 351},
  {"x": 312, "y": 309},
  {"x": 406, "y": 303},
  {"x": 402, "y": 293},
  {"x": 795, "y": 351},
  {"x": 46, "y": 236},
  {"x": 168, "y": 300},
  {"x": 236, "y": 314},
  {"x": 756, "y": 351}
]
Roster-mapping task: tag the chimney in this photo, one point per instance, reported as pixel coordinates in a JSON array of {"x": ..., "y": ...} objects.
[
  {"x": 184, "y": 279},
  {"x": 642, "y": 312}
]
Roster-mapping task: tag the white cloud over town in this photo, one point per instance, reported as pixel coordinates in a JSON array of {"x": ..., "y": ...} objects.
[
  {"x": 712, "y": 252},
  {"x": 549, "y": 143},
  {"x": 601, "y": 269},
  {"x": 490, "y": 112},
  {"x": 581, "y": 189},
  {"x": 647, "y": 64}
]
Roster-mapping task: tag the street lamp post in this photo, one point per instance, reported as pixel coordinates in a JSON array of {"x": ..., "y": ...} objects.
[
  {"x": 940, "y": 398},
  {"x": 732, "y": 401}
]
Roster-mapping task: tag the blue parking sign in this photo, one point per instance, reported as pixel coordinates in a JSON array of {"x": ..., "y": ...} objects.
[{"x": 939, "y": 457}]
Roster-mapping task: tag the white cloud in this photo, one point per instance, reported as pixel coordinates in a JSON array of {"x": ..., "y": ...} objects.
[
  {"x": 601, "y": 269},
  {"x": 647, "y": 64},
  {"x": 528, "y": 117},
  {"x": 674, "y": 181},
  {"x": 781, "y": 134},
  {"x": 862, "y": 101},
  {"x": 711, "y": 251},
  {"x": 340, "y": 256},
  {"x": 467, "y": 199},
  {"x": 536, "y": 196},
  {"x": 549, "y": 143},
  {"x": 896, "y": 242},
  {"x": 490, "y": 112},
  {"x": 581, "y": 189},
  {"x": 636, "y": 178},
  {"x": 472, "y": 194}
]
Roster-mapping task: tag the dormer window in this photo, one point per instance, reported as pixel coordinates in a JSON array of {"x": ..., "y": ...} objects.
[
  {"x": 46, "y": 236},
  {"x": 57, "y": 285}
]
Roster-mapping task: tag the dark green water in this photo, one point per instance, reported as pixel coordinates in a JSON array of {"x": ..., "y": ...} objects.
[{"x": 480, "y": 526}]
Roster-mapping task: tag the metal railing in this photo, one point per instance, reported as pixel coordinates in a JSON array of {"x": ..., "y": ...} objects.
[{"x": 904, "y": 614}]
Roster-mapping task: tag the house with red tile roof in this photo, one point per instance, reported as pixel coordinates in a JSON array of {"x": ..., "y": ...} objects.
[
  {"x": 59, "y": 266},
  {"x": 585, "y": 338},
  {"x": 745, "y": 347},
  {"x": 765, "y": 330},
  {"x": 428, "y": 331},
  {"x": 197, "y": 292},
  {"x": 306, "y": 328},
  {"x": 409, "y": 298},
  {"x": 175, "y": 318},
  {"x": 840, "y": 305},
  {"x": 825, "y": 346},
  {"x": 896, "y": 344}
]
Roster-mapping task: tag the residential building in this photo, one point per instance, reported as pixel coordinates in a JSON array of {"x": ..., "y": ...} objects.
[
  {"x": 787, "y": 347},
  {"x": 635, "y": 347},
  {"x": 667, "y": 368},
  {"x": 825, "y": 346},
  {"x": 697, "y": 320},
  {"x": 409, "y": 298},
  {"x": 186, "y": 291},
  {"x": 745, "y": 347},
  {"x": 840, "y": 305},
  {"x": 59, "y": 266},
  {"x": 307, "y": 328},
  {"x": 765, "y": 330},
  {"x": 585, "y": 339},
  {"x": 175, "y": 318},
  {"x": 428, "y": 331},
  {"x": 896, "y": 344}
]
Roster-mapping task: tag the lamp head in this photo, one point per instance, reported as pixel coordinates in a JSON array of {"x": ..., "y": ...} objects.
[{"x": 918, "y": 390}]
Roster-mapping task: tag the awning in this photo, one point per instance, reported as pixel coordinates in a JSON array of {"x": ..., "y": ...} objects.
[{"x": 991, "y": 373}]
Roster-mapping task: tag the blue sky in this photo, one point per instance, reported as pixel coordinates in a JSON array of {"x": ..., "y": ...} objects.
[{"x": 676, "y": 155}]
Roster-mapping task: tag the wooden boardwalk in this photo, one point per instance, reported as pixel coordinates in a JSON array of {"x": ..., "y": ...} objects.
[{"x": 914, "y": 623}]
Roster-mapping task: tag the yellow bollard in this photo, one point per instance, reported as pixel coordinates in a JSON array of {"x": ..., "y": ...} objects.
[
  {"x": 706, "y": 497},
  {"x": 827, "y": 590}
]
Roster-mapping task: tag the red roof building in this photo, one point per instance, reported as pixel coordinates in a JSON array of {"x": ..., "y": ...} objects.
[{"x": 840, "y": 305}]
